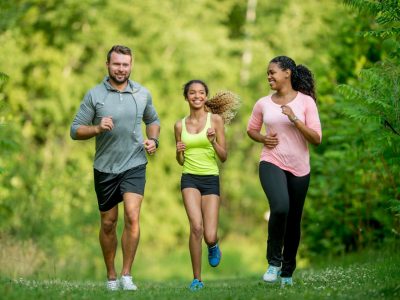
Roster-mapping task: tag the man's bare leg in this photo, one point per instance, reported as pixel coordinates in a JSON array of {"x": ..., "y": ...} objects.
[
  {"x": 131, "y": 232},
  {"x": 108, "y": 239}
]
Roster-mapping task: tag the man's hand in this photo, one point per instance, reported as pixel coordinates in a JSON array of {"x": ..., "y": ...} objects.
[
  {"x": 150, "y": 146},
  {"x": 106, "y": 124}
]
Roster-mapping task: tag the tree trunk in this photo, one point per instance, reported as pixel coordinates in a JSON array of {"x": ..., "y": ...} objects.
[{"x": 247, "y": 53}]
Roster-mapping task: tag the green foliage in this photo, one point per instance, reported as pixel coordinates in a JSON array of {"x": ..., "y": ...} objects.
[
  {"x": 387, "y": 13},
  {"x": 375, "y": 100},
  {"x": 3, "y": 77},
  {"x": 354, "y": 181},
  {"x": 8, "y": 143}
]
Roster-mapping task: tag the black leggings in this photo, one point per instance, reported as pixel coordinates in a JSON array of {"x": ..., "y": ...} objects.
[{"x": 286, "y": 194}]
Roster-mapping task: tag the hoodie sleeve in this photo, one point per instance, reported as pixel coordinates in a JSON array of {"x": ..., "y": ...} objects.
[
  {"x": 150, "y": 116},
  {"x": 84, "y": 116}
]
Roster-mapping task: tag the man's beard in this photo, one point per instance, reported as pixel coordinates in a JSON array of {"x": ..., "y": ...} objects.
[{"x": 119, "y": 81}]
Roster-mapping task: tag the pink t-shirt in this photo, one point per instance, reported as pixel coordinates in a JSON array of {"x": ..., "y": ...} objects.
[{"x": 291, "y": 154}]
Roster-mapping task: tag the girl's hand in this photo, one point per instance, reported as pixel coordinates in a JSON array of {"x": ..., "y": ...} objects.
[
  {"x": 180, "y": 147},
  {"x": 211, "y": 135}
]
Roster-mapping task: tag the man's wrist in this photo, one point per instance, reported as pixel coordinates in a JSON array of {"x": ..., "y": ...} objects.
[
  {"x": 97, "y": 129},
  {"x": 155, "y": 141},
  {"x": 294, "y": 119}
]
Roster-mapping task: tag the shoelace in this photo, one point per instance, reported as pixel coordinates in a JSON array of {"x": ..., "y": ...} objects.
[
  {"x": 213, "y": 251},
  {"x": 112, "y": 284},
  {"x": 272, "y": 270},
  {"x": 127, "y": 280},
  {"x": 196, "y": 284}
]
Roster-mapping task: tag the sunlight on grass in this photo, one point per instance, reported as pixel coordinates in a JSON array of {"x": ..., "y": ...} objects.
[{"x": 362, "y": 278}]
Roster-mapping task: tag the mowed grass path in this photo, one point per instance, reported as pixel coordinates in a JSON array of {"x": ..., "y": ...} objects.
[{"x": 372, "y": 275}]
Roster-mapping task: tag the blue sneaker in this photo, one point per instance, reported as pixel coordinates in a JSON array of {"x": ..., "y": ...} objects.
[
  {"x": 272, "y": 273},
  {"x": 286, "y": 281},
  {"x": 214, "y": 255},
  {"x": 196, "y": 285}
]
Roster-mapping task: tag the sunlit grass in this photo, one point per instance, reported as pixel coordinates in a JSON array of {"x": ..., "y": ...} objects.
[{"x": 369, "y": 275}]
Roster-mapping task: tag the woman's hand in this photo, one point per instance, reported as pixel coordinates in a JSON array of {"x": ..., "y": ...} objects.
[
  {"x": 286, "y": 110},
  {"x": 310, "y": 135},
  {"x": 271, "y": 140}
]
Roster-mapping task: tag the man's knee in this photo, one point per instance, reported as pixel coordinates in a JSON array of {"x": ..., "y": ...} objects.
[
  {"x": 108, "y": 225},
  {"x": 132, "y": 218}
]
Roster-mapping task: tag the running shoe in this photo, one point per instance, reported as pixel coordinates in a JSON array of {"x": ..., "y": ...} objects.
[
  {"x": 214, "y": 255},
  {"x": 112, "y": 285},
  {"x": 272, "y": 273},
  {"x": 127, "y": 283},
  {"x": 286, "y": 281},
  {"x": 196, "y": 285}
]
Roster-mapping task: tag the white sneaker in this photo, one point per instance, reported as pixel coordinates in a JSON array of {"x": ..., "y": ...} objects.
[
  {"x": 112, "y": 285},
  {"x": 272, "y": 273},
  {"x": 127, "y": 283}
]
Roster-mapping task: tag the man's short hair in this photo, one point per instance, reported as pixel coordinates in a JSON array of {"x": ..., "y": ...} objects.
[{"x": 120, "y": 50}]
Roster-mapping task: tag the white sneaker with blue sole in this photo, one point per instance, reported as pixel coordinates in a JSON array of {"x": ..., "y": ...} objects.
[{"x": 272, "y": 273}]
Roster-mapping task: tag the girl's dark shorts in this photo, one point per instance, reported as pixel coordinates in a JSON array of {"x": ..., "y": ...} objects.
[
  {"x": 206, "y": 184},
  {"x": 110, "y": 187}
]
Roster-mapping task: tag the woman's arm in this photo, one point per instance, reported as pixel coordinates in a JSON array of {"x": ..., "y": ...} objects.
[
  {"x": 270, "y": 141},
  {"x": 254, "y": 128},
  {"x": 309, "y": 134}
]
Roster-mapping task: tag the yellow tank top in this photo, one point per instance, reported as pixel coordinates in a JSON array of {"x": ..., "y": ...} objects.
[{"x": 200, "y": 156}]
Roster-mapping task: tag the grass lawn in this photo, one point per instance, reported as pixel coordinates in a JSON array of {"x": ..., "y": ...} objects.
[{"x": 367, "y": 275}]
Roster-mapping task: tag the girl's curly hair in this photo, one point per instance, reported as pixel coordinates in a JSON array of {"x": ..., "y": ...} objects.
[{"x": 223, "y": 103}]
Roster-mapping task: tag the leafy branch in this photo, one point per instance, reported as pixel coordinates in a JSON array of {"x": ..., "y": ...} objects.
[{"x": 3, "y": 76}]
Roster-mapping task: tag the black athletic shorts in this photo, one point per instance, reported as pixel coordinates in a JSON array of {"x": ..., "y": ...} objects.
[
  {"x": 110, "y": 187},
  {"x": 206, "y": 184}
]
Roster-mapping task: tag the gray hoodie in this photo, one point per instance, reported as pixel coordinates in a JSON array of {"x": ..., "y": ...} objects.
[{"x": 122, "y": 148}]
